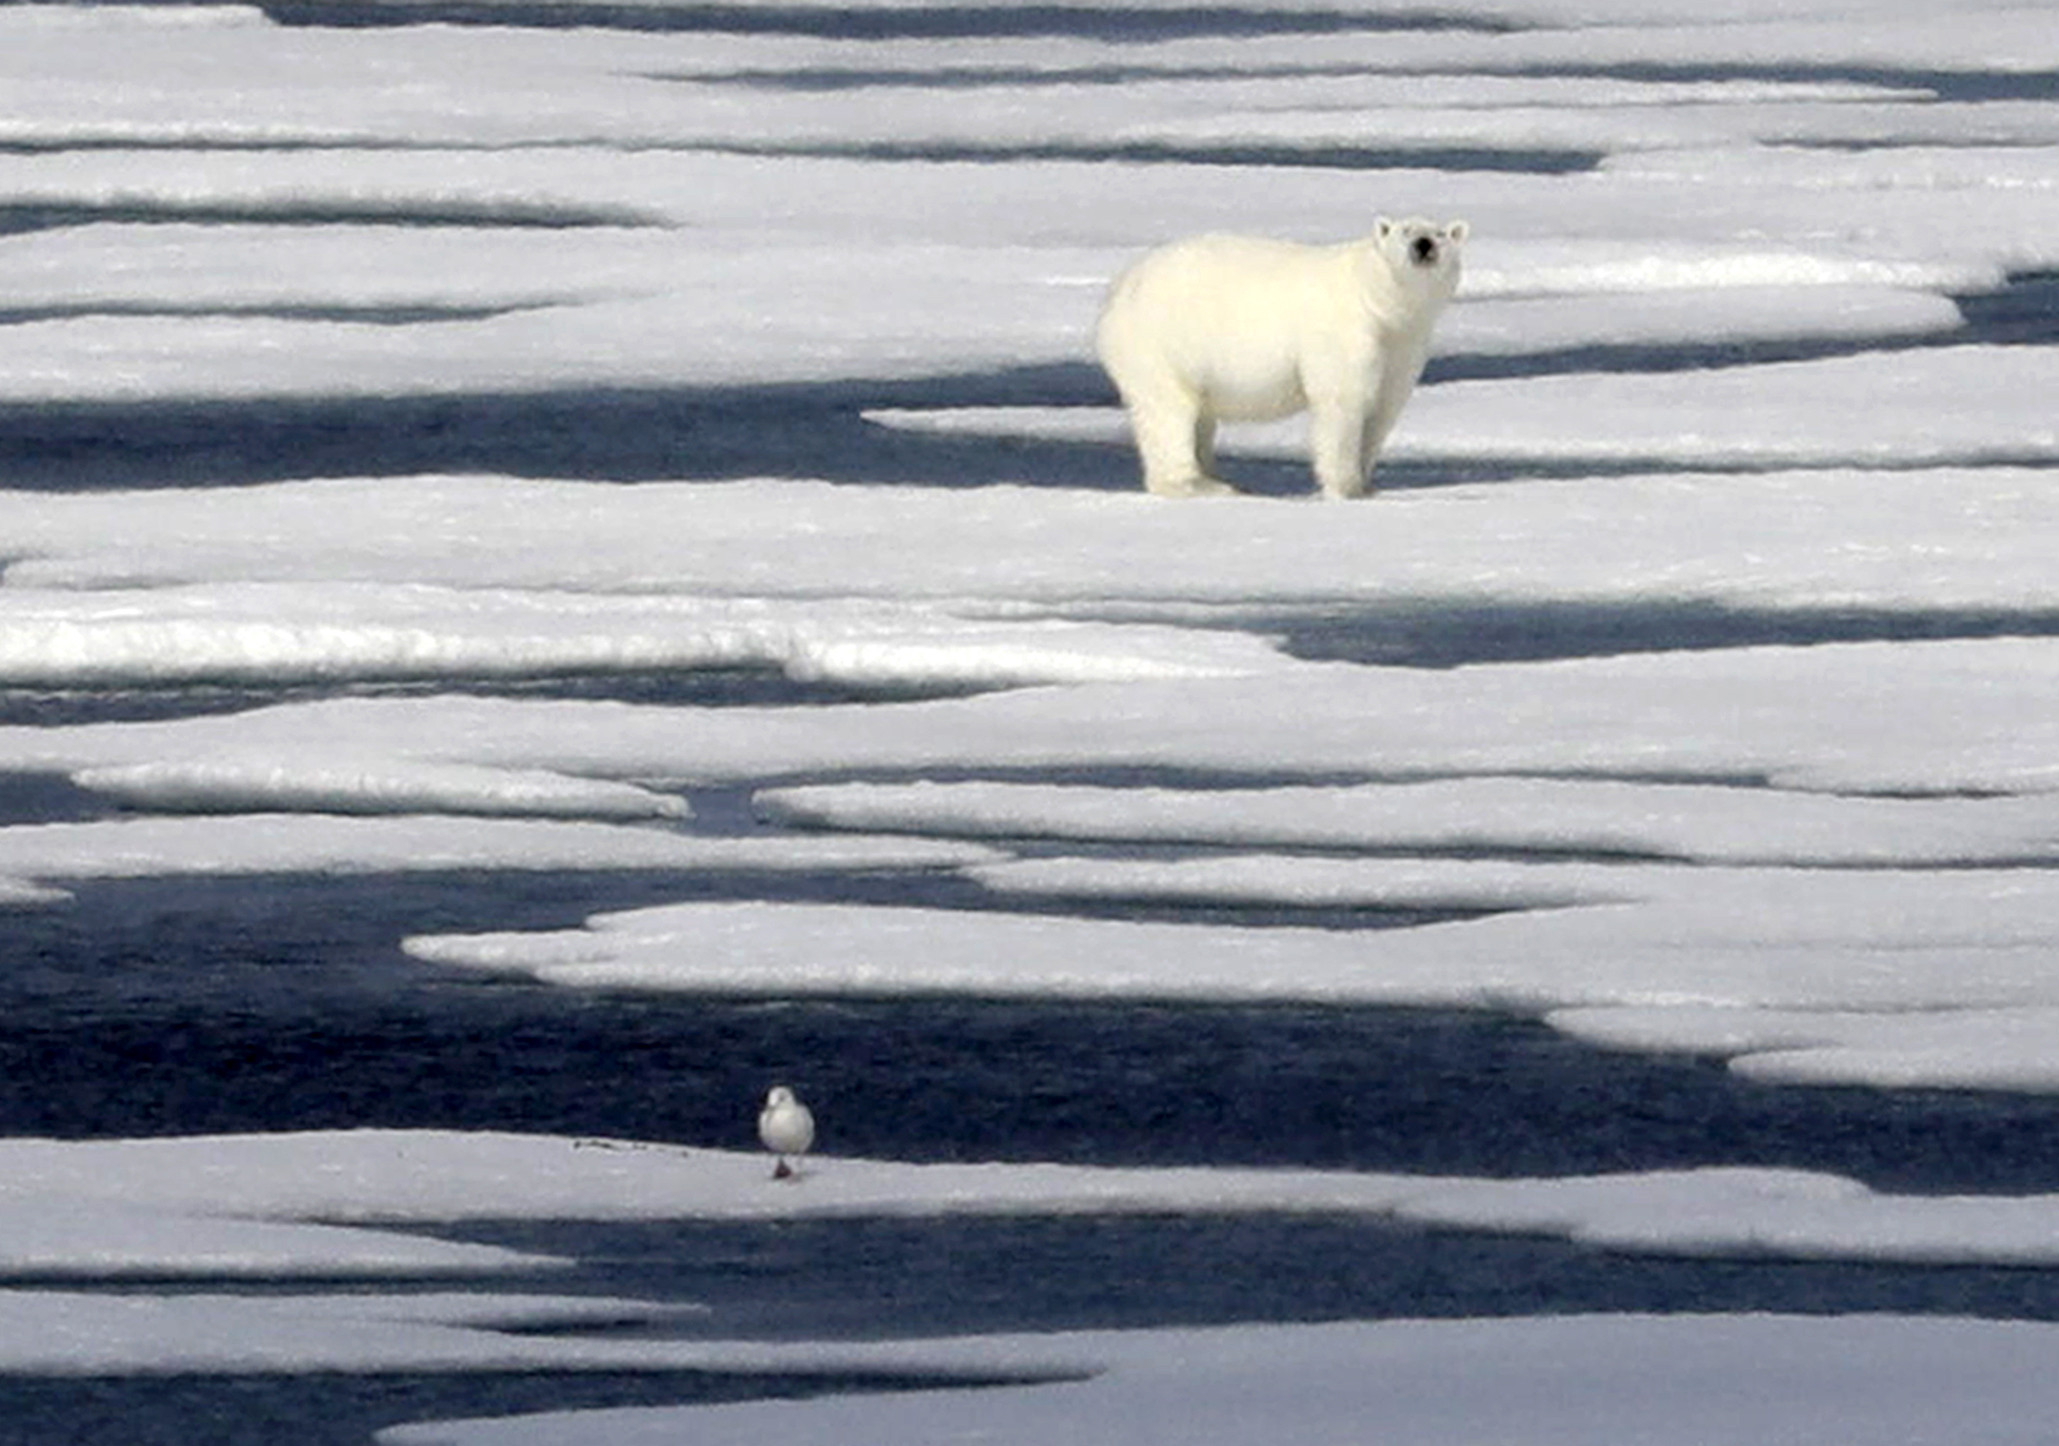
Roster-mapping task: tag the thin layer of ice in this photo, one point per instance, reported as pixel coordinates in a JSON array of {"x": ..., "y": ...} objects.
[
  {"x": 335, "y": 784},
  {"x": 118, "y": 1236},
  {"x": 308, "y": 630},
  {"x": 256, "y": 843},
  {"x": 1972, "y": 1048},
  {"x": 1932, "y": 718},
  {"x": 1933, "y": 966},
  {"x": 1696, "y": 313},
  {"x": 1666, "y": 1381},
  {"x": 1877, "y": 940},
  {"x": 1922, "y": 718},
  {"x": 69, "y": 1334}
]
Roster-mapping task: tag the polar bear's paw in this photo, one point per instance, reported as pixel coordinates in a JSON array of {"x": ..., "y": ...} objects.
[{"x": 1195, "y": 486}]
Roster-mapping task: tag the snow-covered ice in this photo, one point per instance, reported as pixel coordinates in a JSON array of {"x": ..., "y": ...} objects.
[
  {"x": 234, "y": 1206},
  {"x": 1488, "y": 814},
  {"x": 1731, "y": 495},
  {"x": 318, "y": 842}
]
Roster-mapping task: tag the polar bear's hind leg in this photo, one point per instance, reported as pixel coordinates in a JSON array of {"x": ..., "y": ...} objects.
[{"x": 1175, "y": 440}]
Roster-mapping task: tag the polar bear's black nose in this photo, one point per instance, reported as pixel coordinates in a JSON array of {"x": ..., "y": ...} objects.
[{"x": 1425, "y": 250}]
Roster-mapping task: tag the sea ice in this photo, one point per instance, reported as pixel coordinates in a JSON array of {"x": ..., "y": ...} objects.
[
  {"x": 1496, "y": 815},
  {"x": 316, "y": 842},
  {"x": 71, "y": 1334},
  {"x": 119, "y": 1237},
  {"x": 1832, "y": 862},
  {"x": 1668, "y": 1381},
  {"x": 236, "y": 1205}
]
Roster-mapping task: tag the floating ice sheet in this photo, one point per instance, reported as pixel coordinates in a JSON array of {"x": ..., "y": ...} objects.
[
  {"x": 1875, "y": 940},
  {"x": 1916, "y": 718},
  {"x": 1925, "y": 718},
  {"x": 312, "y": 842},
  {"x": 393, "y": 1179},
  {"x": 295, "y": 632},
  {"x": 1508, "y": 816},
  {"x": 1973, "y": 1048},
  {"x": 1920, "y": 971},
  {"x": 79, "y": 1237},
  {"x": 72, "y": 1334}
]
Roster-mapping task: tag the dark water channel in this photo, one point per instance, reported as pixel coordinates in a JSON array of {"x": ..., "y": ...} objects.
[
  {"x": 281, "y": 1003},
  {"x": 182, "y": 1006}
]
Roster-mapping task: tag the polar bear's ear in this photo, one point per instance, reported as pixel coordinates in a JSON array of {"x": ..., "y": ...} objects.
[
  {"x": 1457, "y": 231},
  {"x": 1383, "y": 228}
]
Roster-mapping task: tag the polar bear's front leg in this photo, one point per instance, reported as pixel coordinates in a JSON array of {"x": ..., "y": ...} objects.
[
  {"x": 1337, "y": 436},
  {"x": 1397, "y": 383}
]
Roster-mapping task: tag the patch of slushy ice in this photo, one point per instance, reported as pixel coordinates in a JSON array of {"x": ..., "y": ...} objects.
[{"x": 1554, "y": 1382}]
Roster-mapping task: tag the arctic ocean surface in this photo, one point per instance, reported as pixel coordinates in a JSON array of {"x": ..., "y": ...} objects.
[{"x": 563, "y": 564}]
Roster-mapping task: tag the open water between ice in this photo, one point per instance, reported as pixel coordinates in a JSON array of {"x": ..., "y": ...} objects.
[{"x": 155, "y": 1007}]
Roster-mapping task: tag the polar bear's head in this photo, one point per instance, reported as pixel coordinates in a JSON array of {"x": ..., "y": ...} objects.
[{"x": 1421, "y": 254}]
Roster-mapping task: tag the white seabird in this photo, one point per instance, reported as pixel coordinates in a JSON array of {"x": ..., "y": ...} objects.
[{"x": 786, "y": 1128}]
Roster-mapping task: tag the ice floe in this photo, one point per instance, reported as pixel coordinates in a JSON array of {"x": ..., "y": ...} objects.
[
  {"x": 70, "y": 1334},
  {"x": 1874, "y": 941},
  {"x": 108, "y": 1239},
  {"x": 1485, "y": 815},
  {"x": 315, "y": 842},
  {"x": 1911, "y": 718},
  {"x": 1955, "y": 944},
  {"x": 235, "y": 1205},
  {"x": 287, "y": 633}
]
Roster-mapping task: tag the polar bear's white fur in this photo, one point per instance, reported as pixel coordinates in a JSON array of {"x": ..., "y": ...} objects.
[{"x": 1240, "y": 328}]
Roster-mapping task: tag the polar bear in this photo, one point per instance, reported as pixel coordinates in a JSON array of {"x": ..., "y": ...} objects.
[{"x": 1241, "y": 328}]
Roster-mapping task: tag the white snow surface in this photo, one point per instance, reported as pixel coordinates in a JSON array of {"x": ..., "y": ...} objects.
[
  {"x": 262, "y": 843},
  {"x": 229, "y": 1206},
  {"x": 1490, "y": 814}
]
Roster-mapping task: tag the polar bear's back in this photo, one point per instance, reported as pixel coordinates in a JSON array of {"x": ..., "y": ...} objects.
[
  {"x": 1255, "y": 274},
  {"x": 1227, "y": 314}
]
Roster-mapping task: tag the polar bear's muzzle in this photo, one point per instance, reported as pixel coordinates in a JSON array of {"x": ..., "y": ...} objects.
[{"x": 1424, "y": 251}]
